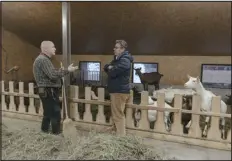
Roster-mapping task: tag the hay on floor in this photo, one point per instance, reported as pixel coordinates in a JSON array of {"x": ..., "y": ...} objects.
[{"x": 31, "y": 144}]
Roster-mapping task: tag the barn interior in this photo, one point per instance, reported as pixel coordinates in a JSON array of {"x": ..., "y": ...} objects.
[
  {"x": 179, "y": 36},
  {"x": 176, "y": 37}
]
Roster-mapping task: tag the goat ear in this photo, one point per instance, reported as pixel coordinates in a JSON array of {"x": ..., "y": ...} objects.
[
  {"x": 188, "y": 76},
  {"x": 198, "y": 79}
]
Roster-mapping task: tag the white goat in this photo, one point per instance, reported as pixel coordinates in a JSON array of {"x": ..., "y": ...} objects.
[
  {"x": 167, "y": 120},
  {"x": 93, "y": 95},
  {"x": 152, "y": 114},
  {"x": 206, "y": 101}
]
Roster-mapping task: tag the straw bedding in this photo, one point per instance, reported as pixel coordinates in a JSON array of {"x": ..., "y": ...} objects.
[{"x": 31, "y": 144}]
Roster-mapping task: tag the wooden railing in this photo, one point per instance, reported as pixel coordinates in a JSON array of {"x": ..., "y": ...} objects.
[{"x": 89, "y": 113}]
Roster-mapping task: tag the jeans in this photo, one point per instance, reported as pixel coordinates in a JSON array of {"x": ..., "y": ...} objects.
[{"x": 51, "y": 110}]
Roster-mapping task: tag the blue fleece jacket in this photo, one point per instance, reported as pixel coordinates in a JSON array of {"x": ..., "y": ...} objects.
[{"x": 119, "y": 74}]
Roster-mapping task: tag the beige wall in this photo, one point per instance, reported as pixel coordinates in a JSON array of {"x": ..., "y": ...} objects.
[
  {"x": 174, "y": 68},
  {"x": 18, "y": 52}
]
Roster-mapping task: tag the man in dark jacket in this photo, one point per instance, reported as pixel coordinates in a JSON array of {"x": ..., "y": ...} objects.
[{"x": 119, "y": 71}]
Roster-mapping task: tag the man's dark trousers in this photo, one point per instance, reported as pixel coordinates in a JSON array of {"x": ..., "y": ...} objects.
[{"x": 51, "y": 110}]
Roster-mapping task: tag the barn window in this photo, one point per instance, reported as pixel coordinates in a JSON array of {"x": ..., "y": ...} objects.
[
  {"x": 91, "y": 70},
  {"x": 145, "y": 68}
]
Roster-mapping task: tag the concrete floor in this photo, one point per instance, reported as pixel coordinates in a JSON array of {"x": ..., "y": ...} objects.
[
  {"x": 179, "y": 151},
  {"x": 189, "y": 152}
]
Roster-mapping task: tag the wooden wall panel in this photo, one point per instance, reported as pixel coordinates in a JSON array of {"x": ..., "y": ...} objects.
[{"x": 160, "y": 28}]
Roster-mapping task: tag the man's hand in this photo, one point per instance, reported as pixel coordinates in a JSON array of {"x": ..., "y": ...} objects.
[
  {"x": 72, "y": 68},
  {"x": 107, "y": 67},
  {"x": 110, "y": 67}
]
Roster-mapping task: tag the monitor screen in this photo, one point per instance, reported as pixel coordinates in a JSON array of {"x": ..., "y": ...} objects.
[
  {"x": 216, "y": 75},
  {"x": 145, "y": 68},
  {"x": 91, "y": 70}
]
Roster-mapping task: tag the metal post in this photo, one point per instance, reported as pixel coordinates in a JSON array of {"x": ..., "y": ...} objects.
[
  {"x": 66, "y": 36},
  {"x": 66, "y": 43}
]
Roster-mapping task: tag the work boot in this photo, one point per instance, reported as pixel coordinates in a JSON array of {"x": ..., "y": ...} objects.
[
  {"x": 45, "y": 124},
  {"x": 55, "y": 126}
]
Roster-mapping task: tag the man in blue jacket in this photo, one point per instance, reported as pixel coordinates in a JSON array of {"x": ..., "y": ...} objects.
[{"x": 119, "y": 71}]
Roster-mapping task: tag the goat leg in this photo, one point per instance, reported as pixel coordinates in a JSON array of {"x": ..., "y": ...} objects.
[
  {"x": 167, "y": 121},
  {"x": 94, "y": 97},
  {"x": 137, "y": 117},
  {"x": 223, "y": 128},
  {"x": 189, "y": 124},
  {"x": 152, "y": 124},
  {"x": 156, "y": 86},
  {"x": 206, "y": 125},
  {"x": 144, "y": 86}
]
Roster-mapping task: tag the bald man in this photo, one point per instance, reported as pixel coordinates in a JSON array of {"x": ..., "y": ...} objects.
[{"x": 48, "y": 80}]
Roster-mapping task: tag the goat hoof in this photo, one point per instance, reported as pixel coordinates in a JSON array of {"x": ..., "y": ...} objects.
[
  {"x": 136, "y": 124},
  {"x": 223, "y": 137},
  {"x": 168, "y": 129},
  {"x": 204, "y": 134}
]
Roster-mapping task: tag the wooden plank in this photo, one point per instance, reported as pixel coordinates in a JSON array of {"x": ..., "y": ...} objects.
[
  {"x": 214, "y": 132},
  {"x": 177, "y": 127},
  {"x": 144, "y": 122},
  {"x": 100, "y": 114},
  {"x": 160, "y": 125},
  {"x": 143, "y": 107},
  {"x": 194, "y": 130},
  {"x": 87, "y": 113}
]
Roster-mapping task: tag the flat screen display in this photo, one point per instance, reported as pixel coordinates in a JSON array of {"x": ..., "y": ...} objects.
[
  {"x": 145, "y": 68},
  {"x": 216, "y": 75},
  {"x": 91, "y": 70}
]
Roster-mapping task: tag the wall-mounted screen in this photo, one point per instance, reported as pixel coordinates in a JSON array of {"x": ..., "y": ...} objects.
[
  {"x": 216, "y": 75},
  {"x": 91, "y": 70},
  {"x": 145, "y": 68}
]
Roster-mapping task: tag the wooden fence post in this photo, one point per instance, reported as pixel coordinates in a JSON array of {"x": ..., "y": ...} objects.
[
  {"x": 214, "y": 132},
  {"x": 74, "y": 106},
  {"x": 87, "y": 114},
  {"x": 100, "y": 114},
  {"x": 194, "y": 130},
  {"x": 160, "y": 126},
  {"x": 144, "y": 122},
  {"x": 22, "y": 108},
  {"x": 31, "y": 107},
  {"x": 12, "y": 106},
  {"x": 177, "y": 127},
  {"x": 3, "y": 97}
]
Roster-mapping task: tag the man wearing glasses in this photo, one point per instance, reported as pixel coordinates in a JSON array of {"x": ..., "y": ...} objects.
[{"x": 118, "y": 72}]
